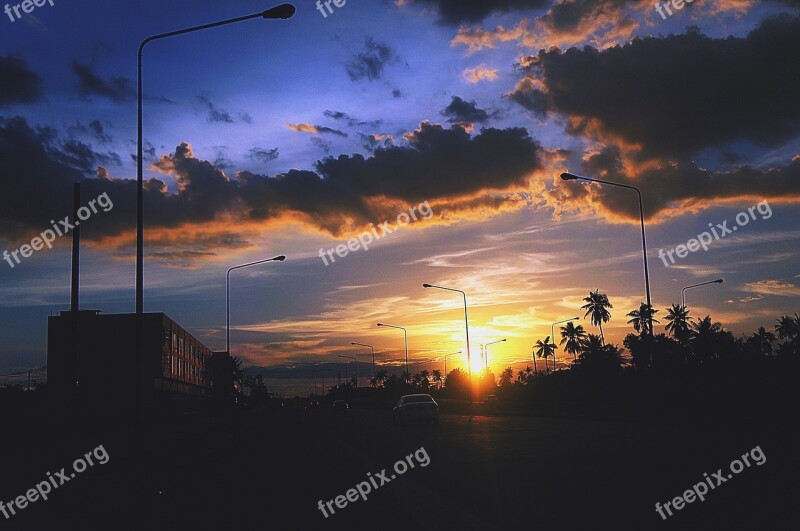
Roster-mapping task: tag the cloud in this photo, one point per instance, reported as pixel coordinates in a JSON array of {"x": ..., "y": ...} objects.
[
  {"x": 370, "y": 62},
  {"x": 264, "y": 155},
  {"x": 350, "y": 120},
  {"x": 117, "y": 89},
  {"x": 373, "y": 142},
  {"x": 455, "y": 12},
  {"x": 671, "y": 188},
  {"x": 478, "y": 74},
  {"x": 214, "y": 113},
  {"x": 773, "y": 287},
  {"x": 20, "y": 84},
  {"x": 730, "y": 89},
  {"x": 343, "y": 195},
  {"x": 314, "y": 129},
  {"x": 461, "y": 111}
]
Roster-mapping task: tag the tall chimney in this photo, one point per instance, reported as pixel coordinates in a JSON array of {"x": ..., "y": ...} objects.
[{"x": 76, "y": 246}]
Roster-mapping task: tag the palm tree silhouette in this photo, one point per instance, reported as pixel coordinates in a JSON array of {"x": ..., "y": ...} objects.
[
  {"x": 573, "y": 336},
  {"x": 597, "y": 304},
  {"x": 679, "y": 321},
  {"x": 704, "y": 338},
  {"x": 545, "y": 350},
  {"x": 642, "y": 319}
]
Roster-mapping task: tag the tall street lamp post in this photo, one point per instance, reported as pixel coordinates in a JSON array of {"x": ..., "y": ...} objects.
[
  {"x": 373, "y": 354},
  {"x": 683, "y": 291},
  {"x": 571, "y": 177},
  {"x": 405, "y": 340},
  {"x": 228, "y": 296},
  {"x": 466, "y": 322}
]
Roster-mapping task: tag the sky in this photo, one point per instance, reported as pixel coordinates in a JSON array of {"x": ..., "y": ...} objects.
[{"x": 291, "y": 137}]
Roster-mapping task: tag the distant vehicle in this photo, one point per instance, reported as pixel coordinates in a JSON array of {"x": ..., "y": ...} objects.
[
  {"x": 419, "y": 408},
  {"x": 312, "y": 405},
  {"x": 491, "y": 399},
  {"x": 340, "y": 406}
]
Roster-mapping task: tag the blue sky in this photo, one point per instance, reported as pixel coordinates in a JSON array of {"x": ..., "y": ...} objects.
[{"x": 284, "y": 137}]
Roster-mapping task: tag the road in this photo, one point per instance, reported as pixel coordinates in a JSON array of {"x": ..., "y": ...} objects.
[{"x": 484, "y": 473}]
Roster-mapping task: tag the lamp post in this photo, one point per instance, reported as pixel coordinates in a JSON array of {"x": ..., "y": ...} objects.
[
  {"x": 552, "y": 335},
  {"x": 445, "y": 361},
  {"x": 228, "y": 296},
  {"x": 466, "y": 322},
  {"x": 373, "y": 354},
  {"x": 355, "y": 369},
  {"x": 683, "y": 291},
  {"x": 571, "y": 177},
  {"x": 486, "y": 352},
  {"x": 283, "y": 11},
  {"x": 405, "y": 340}
]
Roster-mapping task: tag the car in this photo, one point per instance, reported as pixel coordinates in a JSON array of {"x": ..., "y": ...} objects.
[
  {"x": 340, "y": 406},
  {"x": 491, "y": 399},
  {"x": 415, "y": 408}
]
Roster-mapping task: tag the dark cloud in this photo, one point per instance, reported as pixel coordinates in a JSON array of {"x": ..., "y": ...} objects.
[
  {"x": 373, "y": 142},
  {"x": 674, "y": 186},
  {"x": 370, "y": 62},
  {"x": 350, "y": 120},
  {"x": 462, "y": 111},
  {"x": 679, "y": 94},
  {"x": 437, "y": 163},
  {"x": 455, "y": 12},
  {"x": 264, "y": 155},
  {"x": 117, "y": 89},
  {"x": 20, "y": 84},
  {"x": 214, "y": 113},
  {"x": 99, "y": 132}
]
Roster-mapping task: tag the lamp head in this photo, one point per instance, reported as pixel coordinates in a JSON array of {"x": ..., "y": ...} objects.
[
  {"x": 381, "y": 324},
  {"x": 719, "y": 281},
  {"x": 569, "y": 177},
  {"x": 280, "y": 258},
  {"x": 282, "y": 11},
  {"x": 427, "y": 286}
]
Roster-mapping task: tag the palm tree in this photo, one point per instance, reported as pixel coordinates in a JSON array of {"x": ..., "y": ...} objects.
[
  {"x": 437, "y": 376},
  {"x": 788, "y": 327},
  {"x": 642, "y": 319},
  {"x": 762, "y": 340},
  {"x": 597, "y": 304},
  {"x": 573, "y": 336},
  {"x": 704, "y": 338},
  {"x": 679, "y": 322},
  {"x": 545, "y": 350},
  {"x": 380, "y": 377}
]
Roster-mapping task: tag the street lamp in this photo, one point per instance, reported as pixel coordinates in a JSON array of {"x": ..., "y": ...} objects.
[
  {"x": 486, "y": 352},
  {"x": 571, "y": 177},
  {"x": 355, "y": 370},
  {"x": 683, "y": 291},
  {"x": 445, "y": 361},
  {"x": 405, "y": 340},
  {"x": 373, "y": 354},
  {"x": 466, "y": 322},
  {"x": 552, "y": 335},
  {"x": 283, "y": 11},
  {"x": 228, "y": 296}
]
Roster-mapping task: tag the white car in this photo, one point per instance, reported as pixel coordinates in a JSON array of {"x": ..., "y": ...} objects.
[{"x": 415, "y": 408}]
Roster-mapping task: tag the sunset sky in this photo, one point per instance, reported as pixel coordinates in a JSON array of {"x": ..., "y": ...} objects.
[{"x": 276, "y": 137}]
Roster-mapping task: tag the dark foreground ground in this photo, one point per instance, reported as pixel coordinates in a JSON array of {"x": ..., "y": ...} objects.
[{"x": 267, "y": 470}]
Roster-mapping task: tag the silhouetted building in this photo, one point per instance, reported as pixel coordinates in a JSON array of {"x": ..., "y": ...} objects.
[{"x": 100, "y": 380}]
